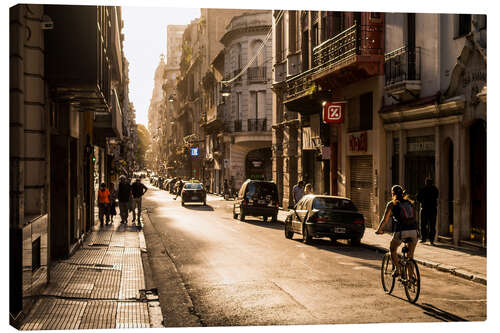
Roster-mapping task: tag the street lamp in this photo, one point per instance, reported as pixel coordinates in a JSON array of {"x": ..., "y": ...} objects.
[{"x": 225, "y": 91}]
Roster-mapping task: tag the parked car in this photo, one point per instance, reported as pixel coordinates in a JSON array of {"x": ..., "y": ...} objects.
[
  {"x": 257, "y": 198},
  {"x": 193, "y": 192},
  {"x": 325, "y": 216}
]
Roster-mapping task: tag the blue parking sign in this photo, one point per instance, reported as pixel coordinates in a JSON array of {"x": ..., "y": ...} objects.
[{"x": 194, "y": 151}]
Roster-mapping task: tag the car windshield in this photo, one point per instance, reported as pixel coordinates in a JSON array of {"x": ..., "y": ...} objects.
[
  {"x": 193, "y": 186},
  {"x": 261, "y": 189},
  {"x": 333, "y": 203}
]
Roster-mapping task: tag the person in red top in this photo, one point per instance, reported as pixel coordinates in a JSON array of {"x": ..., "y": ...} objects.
[{"x": 103, "y": 197}]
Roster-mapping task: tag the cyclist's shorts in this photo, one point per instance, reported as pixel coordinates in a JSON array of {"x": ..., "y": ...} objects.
[{"x": 398, "y": 236}]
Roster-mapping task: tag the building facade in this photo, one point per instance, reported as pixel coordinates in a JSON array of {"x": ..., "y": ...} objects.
[
  {"x": 248, "y": 108},
  {"x": 67, "y": 88},
  {"x": 405, "y": 116},
  {"x": 434, "y": 115}
]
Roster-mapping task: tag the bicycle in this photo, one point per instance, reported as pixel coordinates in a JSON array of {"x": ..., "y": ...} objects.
[{"x": 409, "y": 275}]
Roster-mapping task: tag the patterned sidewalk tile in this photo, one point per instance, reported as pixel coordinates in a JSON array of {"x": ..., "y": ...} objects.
[
  {"x": 132, "y": 315},
  {"x": 98, "y": 287},
  {"x": 99, "y": 315}
]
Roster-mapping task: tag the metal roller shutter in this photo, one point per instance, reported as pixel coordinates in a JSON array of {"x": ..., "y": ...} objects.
[{"x": 361, "y": 185}]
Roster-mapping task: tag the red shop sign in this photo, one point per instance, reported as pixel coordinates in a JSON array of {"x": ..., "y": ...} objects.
[{"x": 333, "y": 112}]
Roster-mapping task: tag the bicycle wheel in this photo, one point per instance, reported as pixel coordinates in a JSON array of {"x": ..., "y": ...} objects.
[
  {"x": 412, "y": 283},
  {"x": 386, "y": 273}
]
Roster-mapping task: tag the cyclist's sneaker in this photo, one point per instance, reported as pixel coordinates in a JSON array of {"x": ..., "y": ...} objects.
[{"x": 395, "y": 272}]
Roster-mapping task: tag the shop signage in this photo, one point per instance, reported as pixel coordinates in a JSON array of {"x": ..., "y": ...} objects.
[
  {"x": 358, "y": 142},
  {"x": 333, "y": 112},
  {"x": 195, "y": 152}
]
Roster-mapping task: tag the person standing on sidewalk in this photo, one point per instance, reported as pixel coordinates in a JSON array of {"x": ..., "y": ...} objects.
[
  {"x": 103, "y": 197},
  {"x": 298, "y": 192},
  {"x": 427, "y": 197},
  {"x": 124, "y": 193},
  {"x": 138, "y": 190},
  {"x": 113, "y": 195},
  {"x": 402, "y": 213},
  {"x": 308, "y": 189}
]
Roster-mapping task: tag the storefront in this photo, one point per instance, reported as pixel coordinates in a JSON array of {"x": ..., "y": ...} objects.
[{"x": 361, "y": 173}]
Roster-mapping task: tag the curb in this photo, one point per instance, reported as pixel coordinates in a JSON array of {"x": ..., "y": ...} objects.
[
  {"x": 427, "y": 263},
  {"x": 440, "y": 267}
]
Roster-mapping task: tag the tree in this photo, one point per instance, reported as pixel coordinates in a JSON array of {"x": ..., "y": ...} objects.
[{"x": 143, "y": 143}]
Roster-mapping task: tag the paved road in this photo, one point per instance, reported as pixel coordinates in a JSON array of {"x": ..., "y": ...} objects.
[{"x": 246, "y": 273}]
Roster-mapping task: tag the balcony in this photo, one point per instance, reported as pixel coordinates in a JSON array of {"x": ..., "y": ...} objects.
[
  {"x": 303, "y": 94},
  {"x": 353, "y": 55},
  {"x": 109, "y": 125},
  {"x": 402, "y": 73},
  {"x": 214, "y": 118},
  {"x": 257, "y": 125},
  {"x": 83, "y": 61},
  {"x": 256, "y": 75}
]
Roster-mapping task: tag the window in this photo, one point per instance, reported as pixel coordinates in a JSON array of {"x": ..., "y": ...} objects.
[
  {"x": 314, "y": 35},
  {"x": 366, "y": 111},
  {"x": 464, "y": 24},
  {"x": 305, "y": 50},
  {"x": 333, "y": 203},
  {"x": 293, "y": 45},
  {"x": 361, "y": 113},
  {"x": 280, "y": 41}
]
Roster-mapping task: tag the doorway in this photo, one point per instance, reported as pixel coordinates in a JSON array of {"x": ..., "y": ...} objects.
[{"x": 477, "y": 134}]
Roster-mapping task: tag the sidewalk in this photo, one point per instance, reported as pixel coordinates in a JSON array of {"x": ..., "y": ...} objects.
[
  {"x": 101, "y": 286},
  {"x": 465, "y": 262}
]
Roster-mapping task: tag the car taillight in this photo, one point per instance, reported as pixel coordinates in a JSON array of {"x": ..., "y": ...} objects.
[
  {"x": 183, "y": 192},
  {"x": 317, "y": 219},
  {"x": 277, "y": 204},
  {"x": 359, "y": 221},
  {"x": 244, "y": 203}
]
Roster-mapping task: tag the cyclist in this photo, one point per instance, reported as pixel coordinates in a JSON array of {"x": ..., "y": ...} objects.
[{"x": 404, "y": 224}]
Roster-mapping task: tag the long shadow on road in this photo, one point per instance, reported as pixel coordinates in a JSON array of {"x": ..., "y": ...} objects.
[{"x": 206, "y": 208}]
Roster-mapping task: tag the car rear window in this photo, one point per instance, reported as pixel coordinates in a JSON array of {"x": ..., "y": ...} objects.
[
  {"x": 333, "y": 203},
  {"x": 262, "y": 190},
  {"x": 193, "y": 186}
]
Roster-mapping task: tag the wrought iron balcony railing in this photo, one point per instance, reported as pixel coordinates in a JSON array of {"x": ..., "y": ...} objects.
[
  {"x": 237, "y": 126},
  {"x": 255, "y": 74},
  {"x": 356, "y": 40},
  {"x": 401, "y": 65},
  {"x": 299, "y": 85},
  {"x": 257, "y": 125}
]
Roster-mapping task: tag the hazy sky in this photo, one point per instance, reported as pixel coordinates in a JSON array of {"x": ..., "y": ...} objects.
[{"x": 145, "y": 30}]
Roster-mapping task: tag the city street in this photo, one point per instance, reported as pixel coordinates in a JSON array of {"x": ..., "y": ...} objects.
[{"x": 231, "y": 273}]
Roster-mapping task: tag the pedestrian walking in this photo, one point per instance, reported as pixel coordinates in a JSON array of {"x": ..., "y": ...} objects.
[
  {"x": 179, "y": 188},
  {"x": 427, "y": 197},
  {"x": 103, "y": 198},
  {"x": 298, "y": 191},
  {"x": 113, "y": 195},
  {"x": 138, "y": 190},
  {"x": 124, "y": 193},
  {"x": 308, "y": 189}
]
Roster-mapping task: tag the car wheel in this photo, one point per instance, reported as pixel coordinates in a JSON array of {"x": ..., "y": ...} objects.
[
  {"x": 182, "y": 203},
  {"x": 264, "y": 218},
  {"x": 288, "y": 231},
  {"x": 242, "y": 216},
  {"x": 274, "y": 218},
  {"x": 356, "y": 241},
  {"x": 204, "y": 203},
  {"x": 305, "y": 236},
  {"x": 235, "y": 216}
]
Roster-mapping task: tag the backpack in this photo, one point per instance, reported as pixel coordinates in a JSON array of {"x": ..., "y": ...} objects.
[{"x": 407, "y": 213}]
